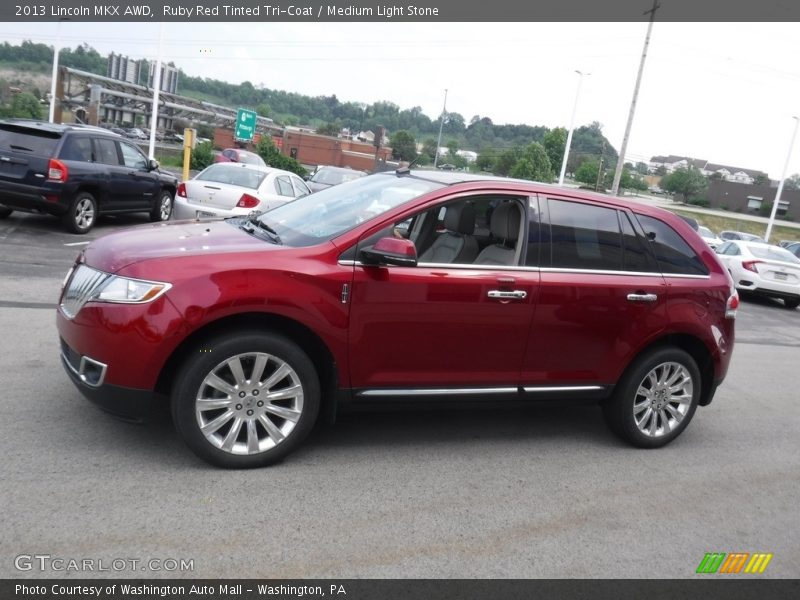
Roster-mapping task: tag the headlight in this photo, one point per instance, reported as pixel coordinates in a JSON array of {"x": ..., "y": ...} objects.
[
  {"x": 85, "y": 284},
  {"x": 122, "y": 289}
]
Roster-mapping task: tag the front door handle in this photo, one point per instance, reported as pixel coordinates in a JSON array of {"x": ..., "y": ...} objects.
[
  {"x": 512, "y": 295},
  {"x": 642, "y": 297}
]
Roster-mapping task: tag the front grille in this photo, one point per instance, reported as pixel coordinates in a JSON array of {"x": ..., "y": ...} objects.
[{"x": 80, "y": 287}]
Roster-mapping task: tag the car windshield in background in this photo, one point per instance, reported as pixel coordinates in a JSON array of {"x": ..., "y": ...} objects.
[
  {"x": 250, "y": 159},
  {"x": 705, "y": 232},
  {"x": 22, "y": 139},
  {"x": 331, "y": 177},
  {"x": 326, "y": 214},
  {"x": 233, "y": 175},
  {"x": 773, "y": 253}
]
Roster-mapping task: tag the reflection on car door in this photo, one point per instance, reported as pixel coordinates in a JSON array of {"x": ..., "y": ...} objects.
[{"x": 439, "y": 326}]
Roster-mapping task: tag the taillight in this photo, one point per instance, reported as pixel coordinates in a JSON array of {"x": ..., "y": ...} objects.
[
  {"x": 248, "y": 201},
  {"x": 181, "y": 190},
  {"x": 750, "y": 265},
  {"x": 732, "y": 306},
  {"x": 57, "y": 171}
]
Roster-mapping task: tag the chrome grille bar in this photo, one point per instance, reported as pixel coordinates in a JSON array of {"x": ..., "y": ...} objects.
[{"x": 83, "y": 283}]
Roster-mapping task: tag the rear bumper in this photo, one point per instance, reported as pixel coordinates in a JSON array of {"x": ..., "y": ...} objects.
[
  {"x": 27, "y": 198},
  {"x": 772, "y": 289}
]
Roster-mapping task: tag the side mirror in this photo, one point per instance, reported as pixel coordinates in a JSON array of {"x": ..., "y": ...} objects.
[
  {"x": 390, "y": 251},
  {"x": 152, "y": 164}
]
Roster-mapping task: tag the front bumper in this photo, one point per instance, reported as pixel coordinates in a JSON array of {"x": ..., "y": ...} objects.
[{"x": 125, "y": 403}]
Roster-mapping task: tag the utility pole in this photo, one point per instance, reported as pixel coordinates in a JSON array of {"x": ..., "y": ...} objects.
[
  {"x": 621, "y": 162},
  {"x": 783, "y": 180},
  {"x": 54, "y": 76},
  {"x": 441, "y": 124},
  {"x": 156, "y": 94},
  {"x": 600, "y": 167}
]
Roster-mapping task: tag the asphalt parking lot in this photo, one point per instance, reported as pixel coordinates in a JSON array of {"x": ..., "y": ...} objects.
[{"x": 516, "y": 493}]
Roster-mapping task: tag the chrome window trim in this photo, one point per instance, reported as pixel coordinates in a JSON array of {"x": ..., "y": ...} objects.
[
  {"x": 394, "y": 392},
  {"x": 567, "y": 388},
  {"x": 470, "y": 267}
]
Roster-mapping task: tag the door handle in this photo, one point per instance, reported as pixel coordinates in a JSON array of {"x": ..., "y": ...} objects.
[
  {"x": 512, "y": 295},
  {"x": 642, "y": 297}
]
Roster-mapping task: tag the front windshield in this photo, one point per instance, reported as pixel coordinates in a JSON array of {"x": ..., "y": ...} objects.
[{"x": 326, "y": 214}]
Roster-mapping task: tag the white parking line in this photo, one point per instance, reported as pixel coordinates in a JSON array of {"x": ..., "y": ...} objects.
[{"x": 78, "y": 243}]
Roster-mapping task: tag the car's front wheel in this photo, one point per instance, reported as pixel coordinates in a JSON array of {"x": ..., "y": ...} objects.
[
  {"x": 655, "y": 399},
  {"x": 162, "y": 209},
  {"x": 246, "y": 400},
  {"x": 82, "y": 213}
]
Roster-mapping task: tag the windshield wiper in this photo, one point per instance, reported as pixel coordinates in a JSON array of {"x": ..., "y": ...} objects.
[{"x": 253, "y": 219}]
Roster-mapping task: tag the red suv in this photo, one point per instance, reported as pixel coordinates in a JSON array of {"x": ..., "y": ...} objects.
[{"x": 398, "y": 287}]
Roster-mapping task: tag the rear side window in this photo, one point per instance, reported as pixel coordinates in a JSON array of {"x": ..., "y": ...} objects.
[
  {"x": 77, "y": 148},
  {"x": 106, "y": 151},
  {"x": 23, "y": 139},
  {"x": 635, "y": 256},
  {"x": 583, "y": 236},
  {"x": 284, "y": 186},
  {"x": 674, "y": 255}
]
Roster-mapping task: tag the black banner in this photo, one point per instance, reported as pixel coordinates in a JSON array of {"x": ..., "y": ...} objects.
[
  {"x": 733, "y": 588},
  {"x": 405, "y": 11}
]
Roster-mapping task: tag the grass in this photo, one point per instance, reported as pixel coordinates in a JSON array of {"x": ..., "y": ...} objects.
[{"x": 717, "y": 223}]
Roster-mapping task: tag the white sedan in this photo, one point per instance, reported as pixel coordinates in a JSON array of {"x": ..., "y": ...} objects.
[
  {"x": 234, "y": 189},
  {"x": 763, "y": 269},
  {"x": 709, "y": 237}
]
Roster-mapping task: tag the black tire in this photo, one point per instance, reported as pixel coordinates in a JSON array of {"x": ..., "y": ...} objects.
[
  {"x": 619, "y": 409},
  {"x": 791, "y": 303},
  {"x": 237, "y": 413},
  {"x": 162, "y": 209},
  {"x": 82, "y": 213},
  {"x": 5, "y": 212}
]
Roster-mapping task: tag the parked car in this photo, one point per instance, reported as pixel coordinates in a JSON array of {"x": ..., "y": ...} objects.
[
  {"x": 496, "y": 289},
  {"x": 136, "y": 133},
  {"x": 325, "y": 177},
  {"x": 77, "y": 173},
  {"x": 794, "y": 248},
  {"x": 740, "y": 235},
  {"x": 763, "y": 269},
  {"x": 231, "y": 189},
  {"x": 238, "y": 155},
  {"x": 787, "y": 243},
  {"x": 709, "y": 237}
]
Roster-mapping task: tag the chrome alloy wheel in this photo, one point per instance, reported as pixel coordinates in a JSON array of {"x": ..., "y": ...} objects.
[
  {"x": 165, "y": 207},
  {"x": 663, "y": 399},
  {"x": 249, "y": 403},
  {"x": 84, "y": 213}
]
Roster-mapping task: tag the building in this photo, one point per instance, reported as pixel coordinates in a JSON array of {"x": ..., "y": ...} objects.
[
  {"x": 312, "y": 149},
  {"x": 752, "y": 198},
  {"x": 713, "y": 170}
]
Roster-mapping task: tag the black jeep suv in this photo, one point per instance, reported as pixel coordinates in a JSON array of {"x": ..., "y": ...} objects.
[{"x": 77, "y": 172}]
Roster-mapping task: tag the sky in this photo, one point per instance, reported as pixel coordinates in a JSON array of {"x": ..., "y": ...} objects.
[{"x": 724, "y": 92}]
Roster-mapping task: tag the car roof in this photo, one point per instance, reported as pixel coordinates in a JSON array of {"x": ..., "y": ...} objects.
[
  {"x": 342, "y": 169},
  {"x": 57, "y": 127}
]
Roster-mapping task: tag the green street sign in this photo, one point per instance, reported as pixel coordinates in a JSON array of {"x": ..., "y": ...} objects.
[{"x": 245, "y": 125}]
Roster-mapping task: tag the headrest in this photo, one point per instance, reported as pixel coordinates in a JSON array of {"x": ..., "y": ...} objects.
[
  {"x": 460, "y": 218},
  {"x": 505, "y": 222}
]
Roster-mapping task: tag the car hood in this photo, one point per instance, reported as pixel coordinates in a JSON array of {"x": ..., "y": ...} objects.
[{"x": 117, "y": 250}]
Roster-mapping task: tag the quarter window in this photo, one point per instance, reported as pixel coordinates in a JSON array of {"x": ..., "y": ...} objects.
[
  {"x": 673, "y": 253},
  {"x": 284, "y": 186},
  {"x": 77, "y": 148}
]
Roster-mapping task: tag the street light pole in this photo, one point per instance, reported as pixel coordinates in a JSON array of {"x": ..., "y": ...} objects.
[
  {"x": 571, "y": 128},
  {"x": 156, "y": 93},
  {"x": 54, "y": 76},
  {"x": 441, "y": 124},
  {"x": 783, "y": 179}
]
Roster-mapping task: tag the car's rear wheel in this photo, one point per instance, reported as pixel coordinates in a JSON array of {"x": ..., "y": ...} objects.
[
  {"x": 246, "y": 400},
  {"x": 82, "y": 213},
  {"x": 5, "y": 212},
  {"x": 791, "y": 302},
  {"x": 162, "y": 209},
  {"x": 655, "y": 399}
]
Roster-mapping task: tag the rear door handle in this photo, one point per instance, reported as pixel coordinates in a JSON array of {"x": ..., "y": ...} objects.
[
  {"x": 642, "y": 297},
  {"x": 503, "y": 295}
]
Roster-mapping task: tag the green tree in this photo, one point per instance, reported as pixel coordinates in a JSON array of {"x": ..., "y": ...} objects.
[
  {"x": 688, "y": 182},
  {"x": 485, "y": 160},
  {"x": 792, "y": 183},
  {"x": 536, "y": 164},
  {"x": 587, "y": 172},
  {"x": 555, "y": 141},
  {"x": 429, "y": 148},
  {"x": 267, "y": 150},
  {"x": 452, "y": 148},
  {"x": 264, "y": 110},
  {"x": 26, "y": 106},
  {"x": 506, "y": 161},
  {"x": 762, "y": 179},
  {"x": 404, "y": 147},
  {"x": 329, "y": 129}
]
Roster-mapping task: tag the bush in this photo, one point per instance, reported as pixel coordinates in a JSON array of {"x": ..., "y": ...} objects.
[
  {"x": 202, "y": 156},
  {"x": 272, "y": 156},
  {"x": 699, "y": 202}
]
